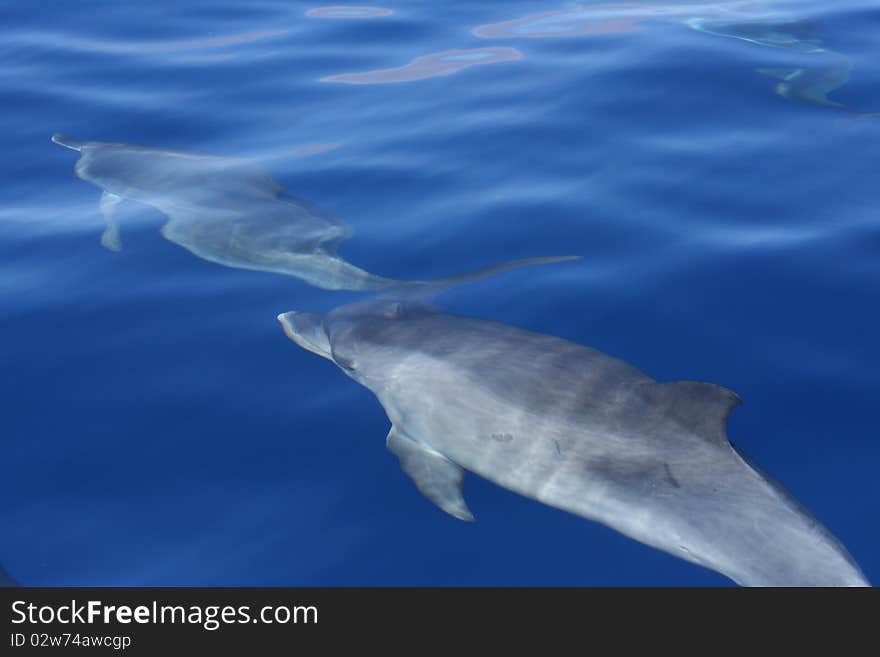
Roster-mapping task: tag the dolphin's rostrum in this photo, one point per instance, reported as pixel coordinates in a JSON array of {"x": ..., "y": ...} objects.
[{"x": 576, "y": 429}]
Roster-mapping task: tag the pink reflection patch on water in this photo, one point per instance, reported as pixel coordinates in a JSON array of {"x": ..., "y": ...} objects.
[
  {"x": 175, "y": 46},
  {"x": 429, "y": 66},
  {"x": 597, "y": 19},
  {"x": 343, "y": 13}
]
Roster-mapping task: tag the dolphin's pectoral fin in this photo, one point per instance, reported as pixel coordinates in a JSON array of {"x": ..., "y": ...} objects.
[
  {"x": 110, "y": 238},
  {"x": 438, "y": 478},
  {"x": 699, "y": 406}
]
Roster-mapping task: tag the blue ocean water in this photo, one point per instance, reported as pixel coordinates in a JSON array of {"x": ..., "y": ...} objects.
[{"x": 160, "y": 429}]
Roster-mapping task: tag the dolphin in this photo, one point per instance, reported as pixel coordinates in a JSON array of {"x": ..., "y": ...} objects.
[
  {"x": 827, "y": 70},
  {"x": 576, "y": 429},
  {"x": 224, "y": 210}
]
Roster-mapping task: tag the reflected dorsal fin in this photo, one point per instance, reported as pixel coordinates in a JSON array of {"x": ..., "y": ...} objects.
[{"x": 700, "y": 406}]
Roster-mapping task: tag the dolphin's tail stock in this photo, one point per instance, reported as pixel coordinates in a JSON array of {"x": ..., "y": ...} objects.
[
  {"x": 330, "y": 272},
  {"x": 67, "y": 142}
]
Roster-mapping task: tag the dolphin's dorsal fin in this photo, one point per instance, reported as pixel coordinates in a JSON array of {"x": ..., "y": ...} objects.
[
  {"x": 438, "y": 478},
  {"x": 331, "y": 237},
  {"x": 700, "y": 406}
]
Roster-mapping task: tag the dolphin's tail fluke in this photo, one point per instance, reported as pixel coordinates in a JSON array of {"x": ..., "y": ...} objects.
[
  {"x": 403, "y": 296},
  {"x": 67, "y": 142},
  {"x": 424, "y": 289},
  {"x": 337, "y": 274},
  {"x": 6, "y": 580}
]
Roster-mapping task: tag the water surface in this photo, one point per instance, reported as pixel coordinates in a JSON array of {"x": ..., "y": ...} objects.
[{"x": 161, "y": 430}]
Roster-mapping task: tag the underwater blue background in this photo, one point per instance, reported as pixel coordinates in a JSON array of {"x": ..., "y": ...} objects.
[{"x": 157, "y": 426}]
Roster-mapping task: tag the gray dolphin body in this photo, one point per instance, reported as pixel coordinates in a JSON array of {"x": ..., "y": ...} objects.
[
  {"x": 576, "y": 429},
  {"x": 224, "y": 210}
]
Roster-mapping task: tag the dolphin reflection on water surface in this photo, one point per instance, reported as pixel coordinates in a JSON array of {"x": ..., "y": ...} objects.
[
  {"x": 224, "y": 210},
  {"x": 576, "y": 429},
  {"x": 819, "y": 72}
]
